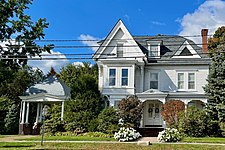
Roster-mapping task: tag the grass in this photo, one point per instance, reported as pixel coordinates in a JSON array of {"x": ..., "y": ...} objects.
[
  {"x": 68, "y": 138},
  {"x": 105, "y": 146},
  {"x": 204, "y": 140}
]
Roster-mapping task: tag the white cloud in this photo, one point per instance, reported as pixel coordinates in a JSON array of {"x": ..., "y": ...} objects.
[
  {"x": 89, "y": 41},
  {"x": 208, "y": 15},
  {"x": 45, "y": 65},
  {"x": 78, "y": 63}
]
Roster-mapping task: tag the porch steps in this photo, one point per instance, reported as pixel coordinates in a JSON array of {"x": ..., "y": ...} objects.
[{"x": 150, "y": 132}]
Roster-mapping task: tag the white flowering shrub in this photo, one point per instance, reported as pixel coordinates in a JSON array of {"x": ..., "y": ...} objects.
[
  {"x": 169, "y": 135},
  {"x": 126, "y": 134}
]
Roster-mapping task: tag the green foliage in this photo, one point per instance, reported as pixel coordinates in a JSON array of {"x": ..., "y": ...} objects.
[
  {"x": 171, "y": 111},
  {"x": 130, "y": 110},
  {"x": 93, "y": 125},
  {"x": 169, "y": 135},
  {"x": 216, "y": 41},
  {"x": 85, "y": 103},
  {"x": 197, "y": 123},
  {"x": 4, "y": 107},
  {"x": 108, "y": 121},
  {"x": 53, "y": 121},
  {"x": 11, "y": 120},
  {"x": 14, "y": 21},
  {"x": 215, "y": 88}
]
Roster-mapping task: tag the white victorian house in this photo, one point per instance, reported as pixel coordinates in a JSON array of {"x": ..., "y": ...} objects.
[{"x": 155, "y": 68}]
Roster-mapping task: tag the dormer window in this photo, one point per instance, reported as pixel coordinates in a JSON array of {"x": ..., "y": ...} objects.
[{"x": 154, "y": 49}]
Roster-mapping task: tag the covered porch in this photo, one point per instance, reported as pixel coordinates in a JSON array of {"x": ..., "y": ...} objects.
[
  {"x": 48, "y": 92},
  {"x": 152, "y": 121}
]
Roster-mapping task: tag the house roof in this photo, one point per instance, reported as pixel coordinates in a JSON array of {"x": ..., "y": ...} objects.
[
  {"x": 50, "y": 87},
  {"x": 170, "y": 45}
]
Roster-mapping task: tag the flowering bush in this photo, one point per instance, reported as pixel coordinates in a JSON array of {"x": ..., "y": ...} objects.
[
  {"x": 169, "y": 135},
  {"x": 126, "y": 134}
]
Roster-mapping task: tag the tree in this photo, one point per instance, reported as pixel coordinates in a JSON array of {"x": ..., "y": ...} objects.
[
  {"x": 85, "y": 103},
  {"x": 216, "y": 41},
  {"x": 18, "y": 32},
  {"x": 130, "y": 110},
  {"x": 171, "y": 111},
  {"x": 215, "y": 88},
  {"x": 14, "y": 22}
]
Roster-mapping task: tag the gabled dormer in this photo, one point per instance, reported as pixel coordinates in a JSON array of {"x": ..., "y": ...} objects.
[
  {"x": 154, "y": 49},
  {"x": 119, "y": 43},
  {"x": 186, "y": 51}
]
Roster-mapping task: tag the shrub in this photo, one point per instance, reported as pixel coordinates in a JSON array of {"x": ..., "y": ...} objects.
[
  {"x": 53, "y": 121},
  {"x": 169, "y": 135},
  {"x": 171, "y": 111},
  {"x": 130, "y": 110},
  {"x": 197, "y": 123},
  {"x": 126, "y": 134},
  {"x": 108, "y": 121}
]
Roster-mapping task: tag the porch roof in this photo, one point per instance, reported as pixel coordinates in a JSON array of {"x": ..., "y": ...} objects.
[{"x": 51, "y": 89}]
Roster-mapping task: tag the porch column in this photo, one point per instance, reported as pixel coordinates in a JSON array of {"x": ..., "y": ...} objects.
[
  {"x": 38, "y": 112},
  {"x": 27, "y": 113},
  {"x": 62, "y": 113},
  {"x": 142, "y": 79},
  {"x": 41, "y": 112},
  {"x": 21, "y": 108},
  {"x": 23, "y": 112}
]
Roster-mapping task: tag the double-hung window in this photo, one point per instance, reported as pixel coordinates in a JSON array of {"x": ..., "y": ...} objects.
[
  {"x": 124, "y": 77},
  {"x": 191, "y": 81},
  {"x": 186, "y": 81},
  {"x": 180, "y": 81},
  {"x": 112, "y": 77},
  {"x": 154, "y": 82}
]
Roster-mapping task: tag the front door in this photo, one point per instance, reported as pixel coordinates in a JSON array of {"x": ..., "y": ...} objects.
[{"x": 152, "y": 114}]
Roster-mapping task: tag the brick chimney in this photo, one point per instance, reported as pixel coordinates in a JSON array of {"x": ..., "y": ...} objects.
[{"x": 204, "y": 33}]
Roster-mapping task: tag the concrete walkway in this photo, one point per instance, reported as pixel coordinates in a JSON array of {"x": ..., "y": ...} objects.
[{"x": 150, "y": 139}]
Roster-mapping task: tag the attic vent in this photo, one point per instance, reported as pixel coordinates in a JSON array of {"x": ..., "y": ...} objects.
[{"x": 186, "y": 52}]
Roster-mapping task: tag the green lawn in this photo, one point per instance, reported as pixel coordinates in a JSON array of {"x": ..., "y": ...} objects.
[
  {"x": 68, "y": 138},
  {"x": 204, "y": 140},
  {"x": 104, "y": 146}
]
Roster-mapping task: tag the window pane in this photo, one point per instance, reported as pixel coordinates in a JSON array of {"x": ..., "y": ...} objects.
[
  {"x": 180, "y": 76},
  {"x": 153, "y": 80},
  {"x": 180, "y": 81},
  {"x": 153, "y": 84},
  {"x": 112, "y": 77},
  {"x": 124, "y": 72},
  {"x": 180, "y": 85},
  {"x": 191, "y": 80},
  {"x": 124, "y": 81},
  {"x": 191, "y": 76},
  {"x": 153, "y": 51},
  {"x": 154, "y": 76}
]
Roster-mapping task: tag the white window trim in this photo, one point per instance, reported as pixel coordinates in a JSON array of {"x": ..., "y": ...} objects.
[
  {"x": 115, "y": 76},
  {"x": 128, "y": 77},
  {"x": 158, "y": 43},
  {"x": 186, "y": 80}
]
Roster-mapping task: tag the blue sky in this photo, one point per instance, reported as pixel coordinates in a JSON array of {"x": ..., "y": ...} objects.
[{"x": 93, "y": 19}]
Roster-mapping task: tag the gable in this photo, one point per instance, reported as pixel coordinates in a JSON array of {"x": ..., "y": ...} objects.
[
  {"x": 186, "y": 51},
  {"x": 118, "y": 36}
]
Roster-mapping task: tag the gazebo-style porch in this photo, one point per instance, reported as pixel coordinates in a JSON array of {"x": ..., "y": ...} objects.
[{"x": 50, "y": 91}]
